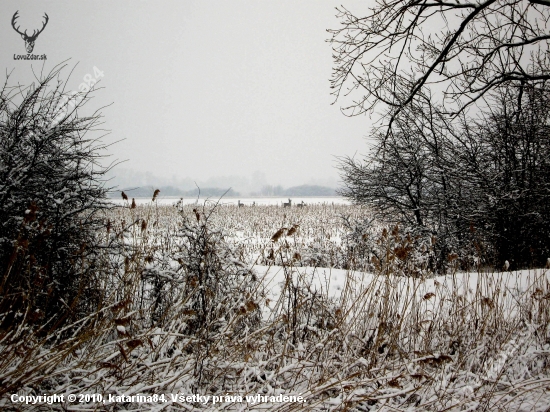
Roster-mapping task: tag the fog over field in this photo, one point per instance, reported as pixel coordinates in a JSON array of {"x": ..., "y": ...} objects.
[{"x": 227, "y": 94}]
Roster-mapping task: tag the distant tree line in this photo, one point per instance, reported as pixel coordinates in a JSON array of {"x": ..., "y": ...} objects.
[{"x": 267, "y": 190}]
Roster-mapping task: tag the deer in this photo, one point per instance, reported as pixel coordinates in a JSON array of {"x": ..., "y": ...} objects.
[
  {"x": 29, "y": 40},
  {"x": 239, "y": 203},
  {"x": 301, "y": 204},
  {"x": 289, "y": 204}
]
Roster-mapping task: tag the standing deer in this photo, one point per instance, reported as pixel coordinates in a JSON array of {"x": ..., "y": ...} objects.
[
  {"x": 289, "y": 204},
  {"x": 301, "y": 204},
  {"x": 29, "y": 40},
  {"x": 239, "y": 203}
]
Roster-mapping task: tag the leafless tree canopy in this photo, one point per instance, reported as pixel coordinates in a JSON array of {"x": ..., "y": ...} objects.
[
  {"x": 463, "y": 48},
  {"x": 483, "y": 182}
]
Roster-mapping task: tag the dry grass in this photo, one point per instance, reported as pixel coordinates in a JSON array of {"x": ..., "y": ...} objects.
[{"x": 183, "y": 313}]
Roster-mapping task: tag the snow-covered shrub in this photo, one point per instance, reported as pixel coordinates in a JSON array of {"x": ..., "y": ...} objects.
[
  {"x": 401, "y": 251},
  {"x": 480, "y": 184},
  {"x": 359, "y": 244},
  {"x": 201, "y": 278},
  {"x": 50, "y": 195}
]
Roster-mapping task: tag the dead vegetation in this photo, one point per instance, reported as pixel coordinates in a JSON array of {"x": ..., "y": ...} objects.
[{"x": 182, "y": 313}]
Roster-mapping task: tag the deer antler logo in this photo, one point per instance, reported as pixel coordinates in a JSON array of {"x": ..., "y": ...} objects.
[{"x": 29, "y": 40}]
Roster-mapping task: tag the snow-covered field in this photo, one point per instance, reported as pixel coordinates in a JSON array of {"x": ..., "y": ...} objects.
[
  {"x": 316, "y": 230},
  {"x": 238, "y": 302}
]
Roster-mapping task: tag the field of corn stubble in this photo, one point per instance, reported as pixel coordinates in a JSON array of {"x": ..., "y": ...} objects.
[{"x": 186, "y": 311}]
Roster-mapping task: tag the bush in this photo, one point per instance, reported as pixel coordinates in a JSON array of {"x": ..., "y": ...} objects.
[
  {"x": 202, "y": 276},
  {"x": 51, "y": 191},
  {"x": 480, "y": 186}
]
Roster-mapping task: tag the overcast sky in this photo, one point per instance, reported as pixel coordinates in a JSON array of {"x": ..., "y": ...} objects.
[{"x": 202, "y": 88}]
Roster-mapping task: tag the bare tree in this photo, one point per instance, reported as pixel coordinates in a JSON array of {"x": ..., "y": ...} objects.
[
  {"x": 465, "y": 48},
  {"x": 505, "y": 161},
  {"x": 407, "y": 173},
  {"x": 479, "y": 184}
]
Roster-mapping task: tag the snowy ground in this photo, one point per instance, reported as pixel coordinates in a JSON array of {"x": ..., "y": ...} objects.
[
  {"x": 344, "y": 340},
  {"x": 334, "y": 282}
]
